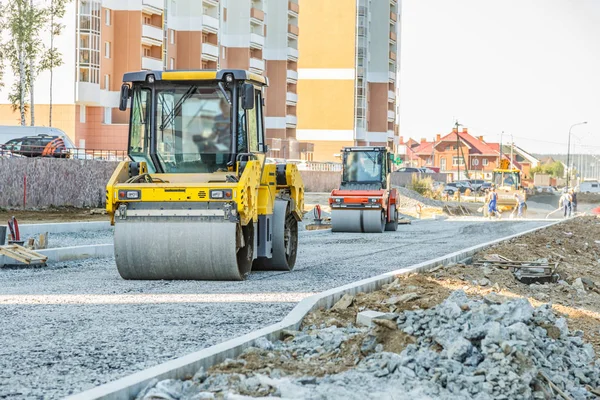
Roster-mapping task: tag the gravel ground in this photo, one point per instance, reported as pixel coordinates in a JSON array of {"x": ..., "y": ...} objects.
[
  {"x": 50, "y": 349},
  {"x": 56, "y": 240}
]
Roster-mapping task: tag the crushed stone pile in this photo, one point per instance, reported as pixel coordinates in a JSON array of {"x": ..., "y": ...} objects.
[
  {"x": 464, "y": 348},
  {"x": 410, "y": 199}
]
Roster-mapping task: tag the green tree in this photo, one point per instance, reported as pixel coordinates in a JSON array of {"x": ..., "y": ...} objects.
[
  {"x": 36, "y": 53},
  {"x": 18, "y": 16},
  {"x": 56, "y": 11}
]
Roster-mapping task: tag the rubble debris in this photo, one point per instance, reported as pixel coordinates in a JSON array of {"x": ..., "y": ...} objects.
[{"x": 344, "y": 302}]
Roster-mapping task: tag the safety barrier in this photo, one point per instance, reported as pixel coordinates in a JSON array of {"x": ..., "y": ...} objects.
[{"x": 60, "y": 151}]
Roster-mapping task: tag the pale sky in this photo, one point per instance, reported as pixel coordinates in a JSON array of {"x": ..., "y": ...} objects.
[{"x": 530, "y": 68}]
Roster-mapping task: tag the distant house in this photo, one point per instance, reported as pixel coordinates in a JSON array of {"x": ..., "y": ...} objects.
[{"x": 458, "y": 151}]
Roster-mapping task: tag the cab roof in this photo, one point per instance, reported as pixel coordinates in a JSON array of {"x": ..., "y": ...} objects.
[{"x": 196, "y": 75}]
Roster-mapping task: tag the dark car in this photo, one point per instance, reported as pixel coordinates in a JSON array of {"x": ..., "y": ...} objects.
[
  {"x": 476, "y": 183},
  {"x": 408, "y": 169},
  {"x": 453, "y": 187},
  {"x": 38, "y": 146},
  {"x": 485, "y": 187}
]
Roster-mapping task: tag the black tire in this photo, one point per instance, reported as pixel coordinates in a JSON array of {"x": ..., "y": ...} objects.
[
  {"x": 285, "y": 240},
  {"x": 450, "y": 192},
  {"x": 392, "y": 226}
]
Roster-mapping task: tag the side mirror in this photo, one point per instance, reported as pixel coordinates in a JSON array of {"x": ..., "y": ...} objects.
[
  {"x": 124, "y": 96},
  {"x": 247, "y": 96}
]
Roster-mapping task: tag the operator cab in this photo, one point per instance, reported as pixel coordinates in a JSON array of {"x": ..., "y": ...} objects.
[
  {"x": 365, "y": 168},
  {"x": 194, "y": 121}
]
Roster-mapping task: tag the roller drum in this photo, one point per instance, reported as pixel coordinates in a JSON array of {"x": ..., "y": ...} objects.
[
  {"x": 181, "y": 248},
  {"x": 352, "y": 220}
]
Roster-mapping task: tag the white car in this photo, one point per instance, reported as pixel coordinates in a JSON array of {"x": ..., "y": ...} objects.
[
  {"x": 302, "y": 165},
  {"x": 588, "y": 187}
]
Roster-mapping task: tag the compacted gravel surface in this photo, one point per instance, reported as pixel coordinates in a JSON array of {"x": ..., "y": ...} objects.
[
  {"x": 74, "y": 325},
  {"x": 80, "y": 238}
]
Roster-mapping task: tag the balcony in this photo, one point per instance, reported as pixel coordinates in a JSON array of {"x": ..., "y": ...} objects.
[
  {"x": 391, "y": 115},
  {"x": 292, "y": 76},
  {"x": 151, "y": 63},
  {"x": 392, "y": 56},
  {"x": 391, "y": 95},
  {"x": 153, "y": 6},
  {"x": 152, "y": 35},
  {"x": 292, "y": 54},
  {"x": 293, "y": 31},
  {"x": 291, "y": 121},
  {"x": 293, "y": 9},
  {"x": 210, "y": 24},
  {"x": 393, "y": 16},
  {"x": 257, "y": 65},
  {"x": 210, "y": 52},
  {"x": 392, "y": 76},
  {"x": 256, "y": 15},
  {"x": 291, "y": 98},
  {"x": 213, "y": 3},
  {"x": 393, "y": 36},
  {"x": 257, "y": 41}
]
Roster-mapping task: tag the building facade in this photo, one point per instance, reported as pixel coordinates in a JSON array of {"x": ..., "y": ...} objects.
[
  {"x": 116, "y": 36},
  {"x": 347, "y": 75}
]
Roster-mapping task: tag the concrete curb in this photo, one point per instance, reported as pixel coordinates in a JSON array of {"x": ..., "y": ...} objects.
[
  {"x": 62, "y": 227},
  {"x": 70, "y": 253},
  {"x": 185, "y": 367}
]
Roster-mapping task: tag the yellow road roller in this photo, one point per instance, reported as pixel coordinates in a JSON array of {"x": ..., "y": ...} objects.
[{"x": 197, "y": 200}]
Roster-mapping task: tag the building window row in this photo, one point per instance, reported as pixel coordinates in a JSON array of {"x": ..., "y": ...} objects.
[{"x": 89, "y": 41}]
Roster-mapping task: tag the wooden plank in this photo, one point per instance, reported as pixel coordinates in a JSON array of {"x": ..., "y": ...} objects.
[{"x": 23, "y": 254}]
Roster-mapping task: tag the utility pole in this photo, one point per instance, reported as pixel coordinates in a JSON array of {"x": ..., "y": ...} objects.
[
  {"x": 456, "y": 125},
  {"x": 512, "y": 145}
]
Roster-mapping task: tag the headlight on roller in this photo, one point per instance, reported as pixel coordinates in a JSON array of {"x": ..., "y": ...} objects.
[
  {"x": 338, "y": 200},
  {"x": 220, "y": 194},
  {"x": 129, "y": 195}
]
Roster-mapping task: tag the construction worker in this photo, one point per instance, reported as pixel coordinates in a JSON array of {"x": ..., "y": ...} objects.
[
  {"x": 565, "y": 203},
  {"x": 573, "y": 201},
  {"x": 493, "y": 203},
  {"x": 521, "y": 205}
]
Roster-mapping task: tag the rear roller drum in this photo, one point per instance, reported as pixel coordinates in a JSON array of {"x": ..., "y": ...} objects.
[
  {"x": 285, "y": 240},
  {"x": 368, "y": 221},
  {"x": 393, "y": 224},
  {"x": 150, "y": 248}
]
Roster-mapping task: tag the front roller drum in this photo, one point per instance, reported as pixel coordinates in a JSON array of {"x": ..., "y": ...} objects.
[
  {"x": 150, "y": 248},
  {"x": 366, "y": 220}
]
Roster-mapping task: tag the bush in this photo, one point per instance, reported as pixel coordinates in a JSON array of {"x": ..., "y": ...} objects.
[{"x": 422, "y": 186}]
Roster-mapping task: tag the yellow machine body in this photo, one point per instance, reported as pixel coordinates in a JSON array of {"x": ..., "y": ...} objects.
[{"x": 215, "y": 225}]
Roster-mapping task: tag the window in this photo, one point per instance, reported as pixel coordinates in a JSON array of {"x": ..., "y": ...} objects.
[
  {"x": 458, "y": 161},
  {"x": 475, "y": 162},
  {"x": 252, "y": 129},
  {"x": 106, "y": 82},
  {"x": 107, "y": 49},
  {"x": 146, "y": 52},
  {"x": 172, "y": 63},
  {"x": 484, "y": 162},
  {"x": 107, "y": 17},
  {"x": 147, "y": 20},
  {"x": 89, "y": 15},
  {"x": 107, "y": 115},
  {"x": 259, "y": 112},
  {"x": 172, "y": 36}
]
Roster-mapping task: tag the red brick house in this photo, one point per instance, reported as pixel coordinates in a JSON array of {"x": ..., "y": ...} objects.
[{"x": 479, "y": 157}]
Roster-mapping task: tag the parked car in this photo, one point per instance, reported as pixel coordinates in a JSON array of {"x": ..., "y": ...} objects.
[
  {"x": 453, "y": 187},
  {"x": 485, "y": 186},
  {"x": 302, "y": 165},
  {"x": 39, "y": 146},
  {"x": 476, "y": 183},
  {"x": 588, "y": 187},
  {"x": 426, "y": 170},
  {"x": 545, "y": 189},
  {"x": 408, "y": 169}
]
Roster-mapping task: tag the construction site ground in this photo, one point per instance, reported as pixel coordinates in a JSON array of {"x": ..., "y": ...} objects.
[
  {"x": 75, "y": 325},
  {"x": 335, "y": 357}
]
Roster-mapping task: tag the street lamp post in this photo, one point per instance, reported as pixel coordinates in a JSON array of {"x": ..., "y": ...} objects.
[{"x": 569, "y": 149}]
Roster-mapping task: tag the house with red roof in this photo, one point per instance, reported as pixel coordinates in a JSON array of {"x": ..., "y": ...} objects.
[{"x": 454, "y": 152}]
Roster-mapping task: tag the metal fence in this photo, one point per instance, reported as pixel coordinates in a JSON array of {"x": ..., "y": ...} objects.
[{"x": 20, "y": 151}]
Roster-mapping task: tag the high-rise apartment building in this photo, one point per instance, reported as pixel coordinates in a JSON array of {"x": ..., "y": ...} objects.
[
  {"x": 116, "y": 36},
  {"x": 347, "y": 74}
]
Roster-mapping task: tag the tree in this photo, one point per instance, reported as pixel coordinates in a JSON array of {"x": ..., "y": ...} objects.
[
  {"x": 23, "y": 21},
  {"x": 57, "y": 11},
  {"x": 36, "y": 18}
]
